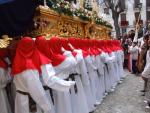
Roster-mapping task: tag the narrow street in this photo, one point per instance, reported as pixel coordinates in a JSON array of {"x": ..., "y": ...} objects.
[{"x": 126, "y": 98}]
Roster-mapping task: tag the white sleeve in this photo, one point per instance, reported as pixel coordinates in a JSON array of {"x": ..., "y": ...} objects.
[
  {"x": 146, "y": 72},
  {"x": 84, "y": 74},
  {"x": 53, "y": 81},
  {"x": 35, "y": 89},
  {"x": 3, "y": 78},
  {"x": 89, "y": 63}
]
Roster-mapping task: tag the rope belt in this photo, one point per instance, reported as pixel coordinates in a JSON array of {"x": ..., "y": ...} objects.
[
  {"x": 72, "y": 77},
  {"x": 50, "y": 92},
  {"x": 32, "y": 103}
]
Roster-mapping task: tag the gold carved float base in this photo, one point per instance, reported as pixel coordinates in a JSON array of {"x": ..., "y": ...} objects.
[{"x": 50, "y": 23}]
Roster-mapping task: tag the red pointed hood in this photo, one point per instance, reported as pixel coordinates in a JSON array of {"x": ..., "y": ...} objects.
[
  {"x": 24, "y": 56},
  {"x": 3, "y": 54}
]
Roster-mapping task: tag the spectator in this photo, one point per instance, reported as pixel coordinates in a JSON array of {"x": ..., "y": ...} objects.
[
  {"x": 133, "y": 50},
  {"x": 142, "y": 53},
  {"x": 146, "y": 74}
]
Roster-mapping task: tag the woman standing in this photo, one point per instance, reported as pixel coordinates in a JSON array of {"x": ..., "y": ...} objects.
[{"x": 146, "y": 74}]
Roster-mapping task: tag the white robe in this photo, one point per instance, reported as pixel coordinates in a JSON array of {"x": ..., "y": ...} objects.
[
  {"x": 54, "y": 82},
  {"x": 79, "y": 101},
  {"x": 29, "y": 81},
  {"x": 146, "y": 72},
  {"x": 4, "y": 104},
  {"x": 62, "y": 100},
  {"x": 112, "y": 70},
  {"x": 92, "y": 76},
  {"x": 87, "y": 85},
  {"x": 106, "y": 59},
  {"x": 95, "y": 62},
  {"x": 101, "y": 70},
  {"x": 50, "y": 80},
  {"x": 120, "y": 63},
  {"x": 100, "y": 66}
]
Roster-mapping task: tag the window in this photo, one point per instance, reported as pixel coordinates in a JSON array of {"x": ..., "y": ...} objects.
[
  {"x": 148, "y": 3},
  {"x": 123, "y": 21},
  {"x": 123, "y": 4},
  {"x": 136, "y": 2},
  {"x": 123, "y": 17}
]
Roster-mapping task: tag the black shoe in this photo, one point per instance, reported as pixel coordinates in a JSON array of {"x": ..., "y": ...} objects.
[
  {"x": 142, "y": 90},
  {"x": 143, "y": 95}
]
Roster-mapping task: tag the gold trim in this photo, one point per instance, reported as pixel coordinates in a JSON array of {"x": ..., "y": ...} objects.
[{"x": 50, "y": 23}]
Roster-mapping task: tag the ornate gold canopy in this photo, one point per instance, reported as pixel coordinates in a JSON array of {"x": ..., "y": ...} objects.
[
  {"x": 4, "y": 42},
  {"x": 50, "y": 23}
]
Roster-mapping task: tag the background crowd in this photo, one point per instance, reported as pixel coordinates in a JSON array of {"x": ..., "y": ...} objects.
[{"x": 137, "y": 57}]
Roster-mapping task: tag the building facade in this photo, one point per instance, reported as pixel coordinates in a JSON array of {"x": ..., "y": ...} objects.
[{"x": 128, "y": 18}]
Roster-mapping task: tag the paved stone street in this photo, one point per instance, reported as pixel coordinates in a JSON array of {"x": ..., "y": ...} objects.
[{"x": 126, "y": 98}]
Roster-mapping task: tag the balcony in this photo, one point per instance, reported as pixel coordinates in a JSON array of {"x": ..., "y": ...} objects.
[{"x": 124, "y": 23}]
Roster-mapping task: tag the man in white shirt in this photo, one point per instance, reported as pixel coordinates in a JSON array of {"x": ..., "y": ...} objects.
[{"x": 133, "y": 50}]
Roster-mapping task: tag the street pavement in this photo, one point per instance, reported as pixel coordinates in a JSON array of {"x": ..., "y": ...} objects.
[{"x": 126, "y": 98}]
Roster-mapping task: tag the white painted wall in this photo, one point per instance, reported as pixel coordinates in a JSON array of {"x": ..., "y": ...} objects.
[{"x": 130, "y": 14}]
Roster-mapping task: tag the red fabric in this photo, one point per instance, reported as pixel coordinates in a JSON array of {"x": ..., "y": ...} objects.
[
  {"x": 57, "y": 59},
  {"x": 97, "y": 47},
  {"x": 84, "y": 46},
  {"x": 64, "y": 43},
  {"x": 3, "y": 54},
  {"x": 55, "y": 46},
  {"x": 74, "y": 42},
  {"x": 42, "y": 46},
  {"x": 24, "y": 56},
  {"x": 28, "y": 57},
  {"x": 41, "y": 58},
  {"x": 117, "y": 44},
  {"x": 103, "y": 45},
  {"x": 3, "y": 63},
  {"x": 77, "y": 45}
]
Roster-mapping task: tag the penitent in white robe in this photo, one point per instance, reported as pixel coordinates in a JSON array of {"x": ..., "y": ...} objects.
[
  {"x": 29, "y": 81},
  {"x": 146, "y": 72},
  {"x": 78, "y": 98},
  {"x": 50, "y": 80},
  {"x": 92, "y": 76},
  {"x": 100, "y": 67},
  {"x": 86, "y": 85},
  {"x": 95, "y": 61},
  {"x": 4, "y": 104},
  {"x": 106, "y": 59},
  {"x": 113, "y": 74},
  {"x": 62, "y": 100},
  {"x": 120, "y": 63}
]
